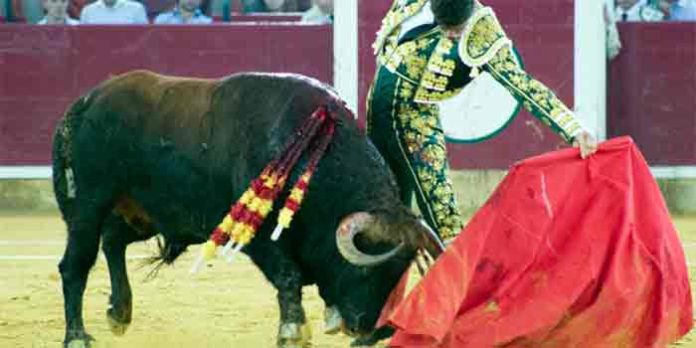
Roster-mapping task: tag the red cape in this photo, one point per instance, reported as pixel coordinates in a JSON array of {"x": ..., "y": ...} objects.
[{"x": 565, "y": 253}]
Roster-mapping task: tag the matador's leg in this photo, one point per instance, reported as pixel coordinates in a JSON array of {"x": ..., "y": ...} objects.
[{"x": 422, "y": 146}]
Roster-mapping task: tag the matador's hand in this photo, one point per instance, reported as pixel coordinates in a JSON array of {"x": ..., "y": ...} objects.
[{"x": 586, "y": 142}]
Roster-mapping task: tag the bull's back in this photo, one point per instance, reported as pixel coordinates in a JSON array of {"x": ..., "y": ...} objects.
[
  {"x": 157, "y": 104},
  {"x": 192, "y": 112},
  {"x": 230, "y": 127},
  {"x": 242, "y": 120}
]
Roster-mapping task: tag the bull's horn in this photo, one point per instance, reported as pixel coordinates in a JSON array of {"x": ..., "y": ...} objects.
[
  {"x": 432, "y": 241},
  {"x": 350, "y": 227}
]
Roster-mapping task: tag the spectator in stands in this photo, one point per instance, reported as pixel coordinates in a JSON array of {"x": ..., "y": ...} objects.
[
  {"x": 275, "y": 5},
  {"x": 186, "y": 12},
  {"x": 682, "y": 10},
  {"x": 611, "y": 30},
  {"x": 638, "y": 11},
  {"x": 56, "y": 13},
  {"x": 320, "y": 13},
  {"x": 252, "y": 6},
  {"x": 75, "y": 7},
  {"x": 114, "y": 12}
]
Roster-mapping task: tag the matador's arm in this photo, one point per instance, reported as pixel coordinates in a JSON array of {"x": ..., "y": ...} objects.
[
  {"x": 484, "y": 46},
  {"x": 538, "y": 99}
]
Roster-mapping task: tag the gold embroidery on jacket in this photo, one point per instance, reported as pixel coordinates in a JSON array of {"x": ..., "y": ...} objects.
[
  {"x": 482, "y": 38},
  {"x": 537, "y": 98}
]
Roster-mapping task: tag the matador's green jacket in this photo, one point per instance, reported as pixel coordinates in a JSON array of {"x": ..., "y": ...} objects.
[{"x": 440, "y": 66}]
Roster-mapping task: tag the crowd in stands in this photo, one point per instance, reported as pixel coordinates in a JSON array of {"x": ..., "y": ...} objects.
[
  {"x": 275, "y": 5},
  {"x": 73, "y": 12},
  {"x": 651, "y": 10},
  {"x": 617, "y": 11}
]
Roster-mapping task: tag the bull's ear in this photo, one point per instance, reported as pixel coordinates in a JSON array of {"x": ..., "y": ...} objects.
[{"x": 362, "y": 223}]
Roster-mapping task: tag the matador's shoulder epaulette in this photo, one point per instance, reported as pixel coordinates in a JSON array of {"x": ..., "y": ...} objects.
[{"x": 481, "y": 39}]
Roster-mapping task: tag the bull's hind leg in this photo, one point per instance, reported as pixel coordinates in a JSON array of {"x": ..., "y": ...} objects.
[
  {"x": 285, "y": 275},
  {"x": 79, "y": 257},
  {"x": 117, "y": 234}
]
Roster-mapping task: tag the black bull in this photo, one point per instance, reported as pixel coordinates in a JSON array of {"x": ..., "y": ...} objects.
[{"x": 144, "y": 154}]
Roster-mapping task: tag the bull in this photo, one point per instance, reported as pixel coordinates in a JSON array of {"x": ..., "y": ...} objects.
[{"x": 143, "y": 155}]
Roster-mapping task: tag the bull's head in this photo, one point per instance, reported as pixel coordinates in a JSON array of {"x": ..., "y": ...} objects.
[
  {"x": 412, "y": 234},
  {"x": 379, "y": 246}
]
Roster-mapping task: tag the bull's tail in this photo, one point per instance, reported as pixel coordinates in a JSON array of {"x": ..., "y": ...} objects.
[{"x": 63, "y": 176}]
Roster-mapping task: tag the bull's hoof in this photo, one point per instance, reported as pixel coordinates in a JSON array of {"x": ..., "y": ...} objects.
[
  {"x": 293, "y": 335},
  {"x": 332, "y": 321},
  {"x": 78, "y": 340},
  {"x": 78, "y": 344},
  {"x": 117, "y": 324}
]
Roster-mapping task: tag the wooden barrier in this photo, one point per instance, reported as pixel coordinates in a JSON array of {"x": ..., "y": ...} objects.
[
  {"x": 652, "y": 91},
  {"x": 652, "y": 84},
  {"x": 44, "y": 68}
]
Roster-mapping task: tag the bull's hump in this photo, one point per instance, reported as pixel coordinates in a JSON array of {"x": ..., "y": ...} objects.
[{"x": 157, "y": 77}]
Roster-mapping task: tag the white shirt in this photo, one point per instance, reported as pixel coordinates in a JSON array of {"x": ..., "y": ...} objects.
[
  {"x": 123, "y": 12},
  {"x": 315, "y": 16},
  {"x": 683, "y": 10},
  {"x": 174, "y": 17}
]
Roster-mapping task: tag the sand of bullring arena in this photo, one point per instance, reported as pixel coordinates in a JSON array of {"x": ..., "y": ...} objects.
[{"x": 226, "y": 305}]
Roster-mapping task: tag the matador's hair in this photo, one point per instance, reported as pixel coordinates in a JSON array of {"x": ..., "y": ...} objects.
[{"x": 452, "y": 12}]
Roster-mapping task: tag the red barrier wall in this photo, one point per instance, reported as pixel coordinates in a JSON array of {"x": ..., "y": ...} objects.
[
  {"x": 652, "y": 84},
  {"x": 43, "y": 69},
  {"x": 542, "y": 31},
  {"x": 652, "y": 91}
]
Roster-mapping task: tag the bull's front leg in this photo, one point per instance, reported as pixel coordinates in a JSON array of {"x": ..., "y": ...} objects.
[
  {"x": 285, "y": 275},
  {"x": 294, "y": 331}
]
